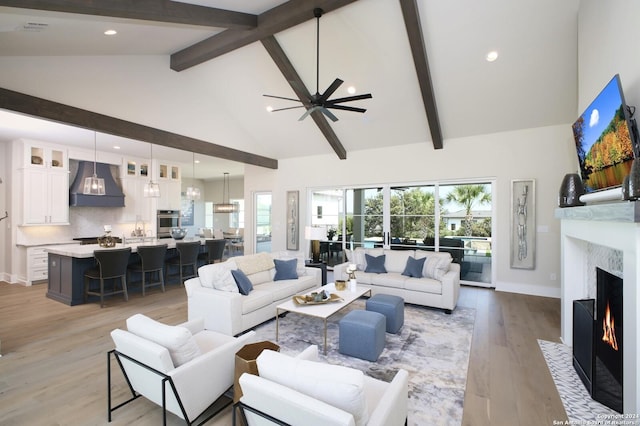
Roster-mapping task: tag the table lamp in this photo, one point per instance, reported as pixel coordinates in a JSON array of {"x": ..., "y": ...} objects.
[{"x": 315, "y": 234}]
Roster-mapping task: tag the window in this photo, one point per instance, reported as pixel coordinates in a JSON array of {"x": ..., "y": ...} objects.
[{"x": 454, "y": 218}]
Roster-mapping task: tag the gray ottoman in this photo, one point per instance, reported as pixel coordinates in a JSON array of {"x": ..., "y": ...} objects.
[
  {"x": 392, "y": 307},
  {"x": 362, "y": 334}
]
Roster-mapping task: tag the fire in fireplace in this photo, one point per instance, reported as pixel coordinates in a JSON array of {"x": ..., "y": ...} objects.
[
  {"x": 609, "y": 329},
  {"x": 597, "y": 342}
]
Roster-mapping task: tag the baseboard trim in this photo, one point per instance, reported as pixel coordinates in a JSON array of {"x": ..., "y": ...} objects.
[{"x": 529, "y": 289}]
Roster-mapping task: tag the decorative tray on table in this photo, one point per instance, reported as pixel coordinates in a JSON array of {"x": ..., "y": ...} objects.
[{"x": 316, "y": 298}]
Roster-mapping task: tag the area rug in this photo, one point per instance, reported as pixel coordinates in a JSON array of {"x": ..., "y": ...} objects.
[
  {"x": 432, "y": 346},
  {"x": 580, "y": 407}
]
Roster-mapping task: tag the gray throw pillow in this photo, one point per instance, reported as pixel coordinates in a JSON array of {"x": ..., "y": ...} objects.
[
  {"x": 375, "y": 264},
  {"x": 286, "y": 269},
  {"x": 414, "y": 267},
  {"x": 242, "y": 281}
]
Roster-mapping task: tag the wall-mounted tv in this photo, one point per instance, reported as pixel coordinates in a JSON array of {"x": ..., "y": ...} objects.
[{"x": 604, "y": 136}]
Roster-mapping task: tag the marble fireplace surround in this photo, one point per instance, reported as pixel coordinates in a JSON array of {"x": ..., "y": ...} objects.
[{"x": 607, "y": 236}]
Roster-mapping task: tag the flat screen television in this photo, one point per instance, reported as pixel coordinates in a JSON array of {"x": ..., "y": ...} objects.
[{"x": 604, "y": 138}]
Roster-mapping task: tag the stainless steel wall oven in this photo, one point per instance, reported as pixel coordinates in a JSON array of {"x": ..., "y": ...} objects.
[{"x": 167, "y": 219}]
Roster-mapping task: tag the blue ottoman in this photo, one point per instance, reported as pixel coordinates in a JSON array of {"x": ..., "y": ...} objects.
[
  {"x": 392, "y": 307},
  {"x": 362, "y": 334}
]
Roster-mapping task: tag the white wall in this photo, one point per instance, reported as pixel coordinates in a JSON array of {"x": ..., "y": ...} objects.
[
  {"x": 544, "y": 154},
  {"x": 5, "y": 235}
]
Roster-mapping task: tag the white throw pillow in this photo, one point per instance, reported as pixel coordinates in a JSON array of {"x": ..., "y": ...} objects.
[
  {"x": 338, "y": 386},
  {"x": 218, "y": 276},
  {"x": 178, "y": 340},
  {"x": 436, "y": 265}
]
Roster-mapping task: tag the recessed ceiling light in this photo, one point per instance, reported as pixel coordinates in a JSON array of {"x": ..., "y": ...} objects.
[
  {"x": 110, "y": 32},
  {"x": 492, "y": 56},
  {"x": 197, "y": 161},
  {"x": 351, "y": 90},
  {"x": 269, "y": 108},
  {"x": 116, "y": 147}
]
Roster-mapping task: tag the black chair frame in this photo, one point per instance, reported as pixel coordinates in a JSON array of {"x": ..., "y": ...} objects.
[
  {"x": 242, "y": 407},
  {"x": 165, "y": 380},
  {"x": 215, "y": 250}
]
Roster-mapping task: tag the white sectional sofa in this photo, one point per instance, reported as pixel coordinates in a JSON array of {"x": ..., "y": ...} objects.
[
  {"x": 436, "y": 285},
  {"x": 214, "y": 295}
]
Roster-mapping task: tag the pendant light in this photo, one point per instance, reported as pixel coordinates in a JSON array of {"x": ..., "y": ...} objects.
[
  {"x": 94, "y": 185},
  {"x": 193, "y": 193},
  {"x": 225, "y": 206},
  {"x": 151, "y": 189}
]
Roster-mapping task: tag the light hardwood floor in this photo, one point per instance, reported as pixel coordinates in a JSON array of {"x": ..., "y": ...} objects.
[{"x": 53, "y": 368}]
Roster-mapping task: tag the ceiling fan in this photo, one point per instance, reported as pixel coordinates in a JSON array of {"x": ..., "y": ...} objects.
[{"x": 318, "y": 101}]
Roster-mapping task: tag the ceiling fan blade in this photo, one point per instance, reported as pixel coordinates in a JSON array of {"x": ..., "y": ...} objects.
[
  {"x": 329, "y": 114},
  {"x": 350, "y": 98},
  {"x": 307, "y": 112},
  {"x": 345, "y": 108},
  {"x": 281, "y": 97},
  {"x": 334, "y": 86},
  {"x": 284, "y": 109}
]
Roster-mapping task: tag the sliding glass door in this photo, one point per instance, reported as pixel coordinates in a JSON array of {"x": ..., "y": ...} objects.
[{"x": 454, "y": 218}]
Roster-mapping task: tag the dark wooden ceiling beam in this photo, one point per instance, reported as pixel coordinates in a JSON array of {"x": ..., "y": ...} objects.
[
  {"x": 419, "y": 52},
  {"x": 148, "y": 10},
  {"x": 271, "y": 22},
  {"x": 61, "y": 113},
  {"x": 293, "y": 78}
]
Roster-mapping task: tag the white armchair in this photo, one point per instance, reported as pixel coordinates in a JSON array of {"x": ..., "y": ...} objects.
[
  {"x": 184, "y": 369},
  {"x": 293, "y": 391}
]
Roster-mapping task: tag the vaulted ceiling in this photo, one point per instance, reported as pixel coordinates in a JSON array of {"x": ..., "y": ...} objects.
[{"x": 198, "y": 69}]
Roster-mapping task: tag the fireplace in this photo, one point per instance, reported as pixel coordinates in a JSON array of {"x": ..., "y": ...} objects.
[{"x": 597, "y": 342}]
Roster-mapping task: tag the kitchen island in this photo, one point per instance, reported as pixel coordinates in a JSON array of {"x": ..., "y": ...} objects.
[{"x": 68, "y": 262}]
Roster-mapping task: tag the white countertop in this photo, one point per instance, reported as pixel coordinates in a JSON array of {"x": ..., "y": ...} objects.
[{"x": 84, "y": 251}]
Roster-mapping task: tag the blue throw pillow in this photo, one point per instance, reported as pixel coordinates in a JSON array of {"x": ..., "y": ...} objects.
[
  {"x": 375, "y": 264},
  {"x": 414, "y": 267},
  {"x": 286, "y": 269},
  {"x": 242, "y": 281}
]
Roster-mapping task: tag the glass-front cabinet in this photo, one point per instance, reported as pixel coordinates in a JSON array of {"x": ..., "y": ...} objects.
[
  {"x": 43, "y": 156},
  {"x": 45, "y": 184}
]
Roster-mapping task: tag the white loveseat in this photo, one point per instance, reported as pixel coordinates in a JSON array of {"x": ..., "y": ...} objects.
[
  {"x": 216, "y": 298},
  {"x": 303, "y": 391},
  {"x": 438, "y": 286}
]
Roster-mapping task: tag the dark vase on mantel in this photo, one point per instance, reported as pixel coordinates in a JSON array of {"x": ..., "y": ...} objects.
[
  {"x": 571, "y": 190},
  {"x": 632, "y": 182}
]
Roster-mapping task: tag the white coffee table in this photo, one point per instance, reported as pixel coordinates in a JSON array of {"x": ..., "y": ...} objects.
[{"x": 324, "y": 310}]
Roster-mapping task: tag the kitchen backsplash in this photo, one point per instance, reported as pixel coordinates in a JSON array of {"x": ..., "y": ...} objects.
[{"x": 85, "y": 222}]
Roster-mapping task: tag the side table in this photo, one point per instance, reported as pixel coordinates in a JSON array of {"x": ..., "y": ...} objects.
[
  {"x": 246, "y": 363},
  {"x": 321, "y": 265}
]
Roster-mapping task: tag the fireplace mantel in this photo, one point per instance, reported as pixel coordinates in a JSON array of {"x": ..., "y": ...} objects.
[{"x": 615, "y": 226}]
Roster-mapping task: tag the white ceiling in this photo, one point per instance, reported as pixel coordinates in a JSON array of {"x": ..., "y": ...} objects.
[{"x": 533, "y": 83}]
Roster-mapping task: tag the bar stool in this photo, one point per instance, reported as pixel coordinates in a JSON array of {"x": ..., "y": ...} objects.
[
  {"x": 112, "y": 265},
  {"x": 215, "y": 251},
  {"x": 187, "y": 258},
  {"x": 151, "y": 264}
]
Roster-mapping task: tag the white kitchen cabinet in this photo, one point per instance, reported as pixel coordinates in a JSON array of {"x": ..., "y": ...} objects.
[
  {"x": 169, "y": 195},
  {"x": 45, "y": 197},
  {"x": 37, "y": 264},
  {"x": 136, "y": 205}
]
